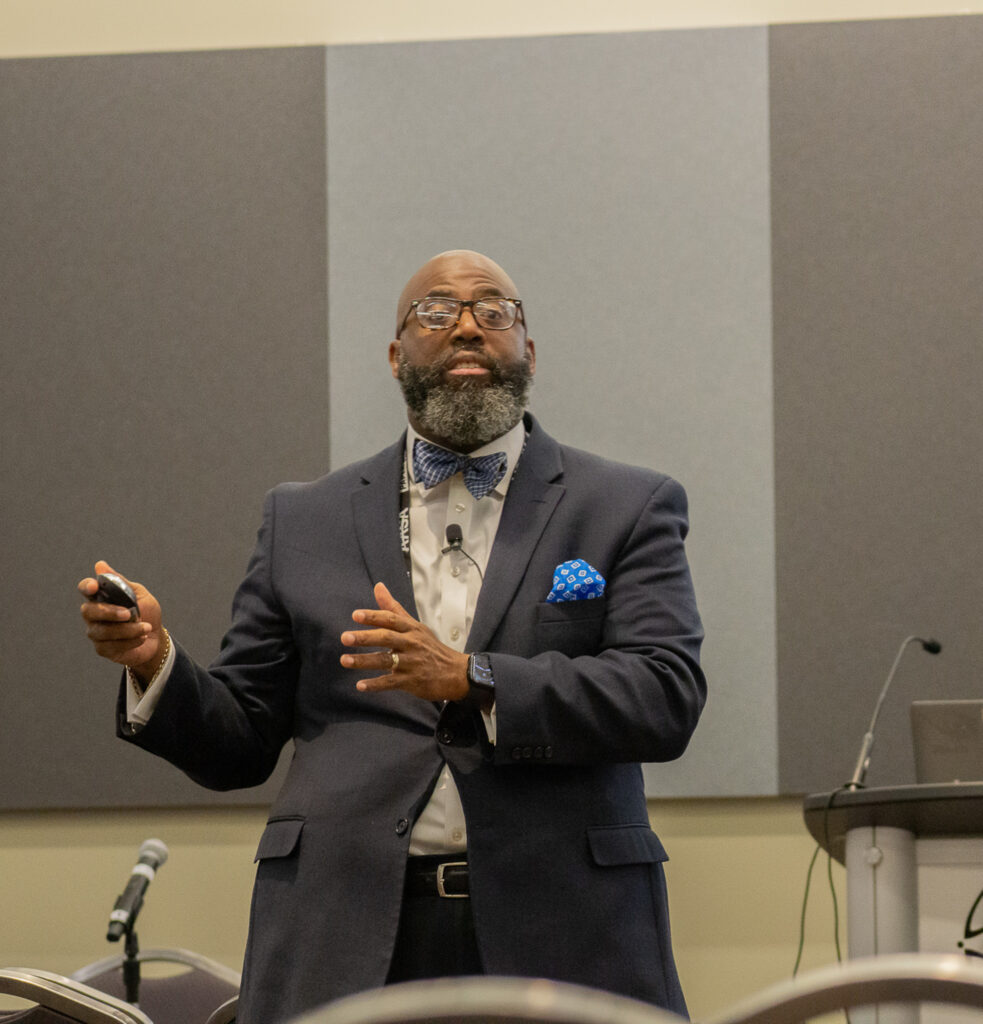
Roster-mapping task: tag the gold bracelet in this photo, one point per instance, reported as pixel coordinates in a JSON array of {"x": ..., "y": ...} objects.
[{"x": 134, "y": 682}]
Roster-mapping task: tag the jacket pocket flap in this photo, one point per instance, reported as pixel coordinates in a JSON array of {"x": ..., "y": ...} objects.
[
  {"x": 625, "y": 844},
  {"x": 280, "y": 838}
]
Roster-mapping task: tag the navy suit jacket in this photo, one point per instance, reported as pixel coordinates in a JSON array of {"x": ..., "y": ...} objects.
[{"x": 566, "y": 874}]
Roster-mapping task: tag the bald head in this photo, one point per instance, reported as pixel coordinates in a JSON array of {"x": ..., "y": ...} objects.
[{"x": 442, "y": 274}]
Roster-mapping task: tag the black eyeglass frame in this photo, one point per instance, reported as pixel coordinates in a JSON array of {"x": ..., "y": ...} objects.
[{"x": 462, "y": 305}]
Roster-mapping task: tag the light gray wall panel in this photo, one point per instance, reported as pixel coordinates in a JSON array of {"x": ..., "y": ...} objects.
[
  {"x": 877, "y": 142},
  {"x": 623, "y": 182},
  {"x": 164, "y": 363}
]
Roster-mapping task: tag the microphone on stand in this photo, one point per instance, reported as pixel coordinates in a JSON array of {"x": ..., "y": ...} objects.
[
  {"x": 863, "y": 761},
  {"x": 153, "y": 853}
]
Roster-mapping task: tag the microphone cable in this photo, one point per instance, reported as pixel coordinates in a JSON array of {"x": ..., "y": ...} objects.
[{"x": 832, "y": 889}]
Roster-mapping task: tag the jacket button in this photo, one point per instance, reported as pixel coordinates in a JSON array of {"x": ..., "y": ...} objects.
[
  {"x": 547, "y": 751},
  {"x": 446, "y": 736},
  {"x": 527, "y": 752},
  {"x": 401, "y": 826},
  {"x": 516, "y": 753},
  {"x": 538, "y": 752}
]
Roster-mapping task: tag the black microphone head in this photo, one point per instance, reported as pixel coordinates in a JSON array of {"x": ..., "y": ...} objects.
[
  {"x": 932, "y": 646},
  {"x": 454, "y": 533},
  {"x": 153, "y": 852}
]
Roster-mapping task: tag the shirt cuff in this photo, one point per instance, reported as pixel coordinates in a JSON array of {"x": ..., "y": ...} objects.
[
  {"x": 490, "y": 718},
  {"x": 140, "y": 706}
]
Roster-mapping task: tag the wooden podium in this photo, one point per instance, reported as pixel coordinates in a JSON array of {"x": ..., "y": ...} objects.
[{"x": 914, "y": 871}]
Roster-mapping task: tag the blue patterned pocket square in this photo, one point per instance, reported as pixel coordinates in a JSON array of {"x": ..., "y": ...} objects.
[{"x": 576, "y": 580}]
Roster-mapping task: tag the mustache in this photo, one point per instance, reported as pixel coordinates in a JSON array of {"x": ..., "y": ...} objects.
[
  {"x": 422, "y": 379},
  {"x": 477, "y": 355}
]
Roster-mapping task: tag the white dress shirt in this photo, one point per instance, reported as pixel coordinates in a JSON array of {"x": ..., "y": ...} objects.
[{"x": 445, "y": 588}]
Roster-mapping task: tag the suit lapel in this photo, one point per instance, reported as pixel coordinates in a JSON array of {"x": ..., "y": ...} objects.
[
  {"x": 531, "y": 500},
  {"x": 375, "y": 509}
]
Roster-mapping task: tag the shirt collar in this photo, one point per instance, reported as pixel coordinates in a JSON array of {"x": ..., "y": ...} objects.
[{"x": 511, "y": 442}]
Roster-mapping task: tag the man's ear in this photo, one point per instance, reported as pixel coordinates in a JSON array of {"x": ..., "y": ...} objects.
[
  {"x": 394, "y": 351},
  {"x": 531, "y": 353}
]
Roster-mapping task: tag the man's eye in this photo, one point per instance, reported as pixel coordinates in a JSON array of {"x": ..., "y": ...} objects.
[{"x": 492, "y": 314}]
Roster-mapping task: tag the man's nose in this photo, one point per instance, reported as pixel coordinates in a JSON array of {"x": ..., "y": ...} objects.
[{"x": 467, "y": 328}]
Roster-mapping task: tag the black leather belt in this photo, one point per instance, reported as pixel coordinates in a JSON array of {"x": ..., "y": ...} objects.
[{"x": 437, "y": 876}]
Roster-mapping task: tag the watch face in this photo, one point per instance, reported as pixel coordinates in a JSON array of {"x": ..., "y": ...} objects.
[{"x": 479, "y": 671}]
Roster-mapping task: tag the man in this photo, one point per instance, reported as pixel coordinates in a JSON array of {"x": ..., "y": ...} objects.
[{"x": 465, "y": 794}]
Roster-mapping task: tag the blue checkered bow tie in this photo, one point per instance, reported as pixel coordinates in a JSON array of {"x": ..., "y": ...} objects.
[{"x": 433, "y": 465}]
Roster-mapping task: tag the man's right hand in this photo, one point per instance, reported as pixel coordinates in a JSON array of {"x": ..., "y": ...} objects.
[{"x": 137, "y": 645}]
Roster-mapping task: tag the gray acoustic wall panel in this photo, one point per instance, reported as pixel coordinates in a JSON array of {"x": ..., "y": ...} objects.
[
  {"x": 623, "y": 182},
  {"x": 164, "y": 363},
  {"x": 877, "y": 145}
]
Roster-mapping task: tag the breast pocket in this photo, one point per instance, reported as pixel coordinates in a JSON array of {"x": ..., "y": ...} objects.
[{"x": 571, "y": 627}]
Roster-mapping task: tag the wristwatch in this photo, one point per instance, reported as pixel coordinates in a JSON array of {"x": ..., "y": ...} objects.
[{"x": 481, "y": 682}]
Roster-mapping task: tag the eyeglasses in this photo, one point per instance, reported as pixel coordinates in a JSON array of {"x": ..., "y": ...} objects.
[{"x": 437, "y": 313}]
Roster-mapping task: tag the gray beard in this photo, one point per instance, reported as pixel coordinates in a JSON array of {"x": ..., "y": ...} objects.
[{"x": 466, "y": 414}]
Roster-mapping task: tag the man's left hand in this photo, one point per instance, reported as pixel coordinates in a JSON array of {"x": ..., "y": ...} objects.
[{"x": 413, "y": 658}]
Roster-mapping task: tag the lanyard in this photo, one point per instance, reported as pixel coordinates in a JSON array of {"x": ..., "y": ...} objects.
[
  {"x": 404, "y": 507},
  {"x": 404, "y": 517}
]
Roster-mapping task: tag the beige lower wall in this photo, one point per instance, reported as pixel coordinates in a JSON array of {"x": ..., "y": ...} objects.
[
  {"x": 59, "y": 27},
  {"x": 736, "y": 879}
]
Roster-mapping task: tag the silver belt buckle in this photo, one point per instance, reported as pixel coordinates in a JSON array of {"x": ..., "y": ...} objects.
[{"x": 440, "y": 880}]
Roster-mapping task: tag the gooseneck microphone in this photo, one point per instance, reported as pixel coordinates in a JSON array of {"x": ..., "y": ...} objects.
[
  {"x": 153, "y": 853},
  {"x": 863, "y": 761},
  {"x": 455, "y": 542}
]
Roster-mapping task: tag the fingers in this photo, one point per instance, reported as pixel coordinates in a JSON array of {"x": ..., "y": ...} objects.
[
  {"x": 102, "y": 630},
  {"x": 375, "y": 638},
  {"x": 383, "y": 621},
  {"x": 88, "y": 586},
  {"x": 112, "y": 629},
  {"x": 110, "y": 623},
  {"x": 97, "y": 611},
  {"x": 390, "y": 614},
  {"x": 386, "y": 662},
  {"x": 386, "y": 601},
  {"x": 93, "y": 611},
  {"x": 405, "y": 645},
  {"x": 376, "y": 661},
  {"x": 390, "y": 623},
  {"x": 377, "y": 683},
  {"x": 119, "y": 641}
]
